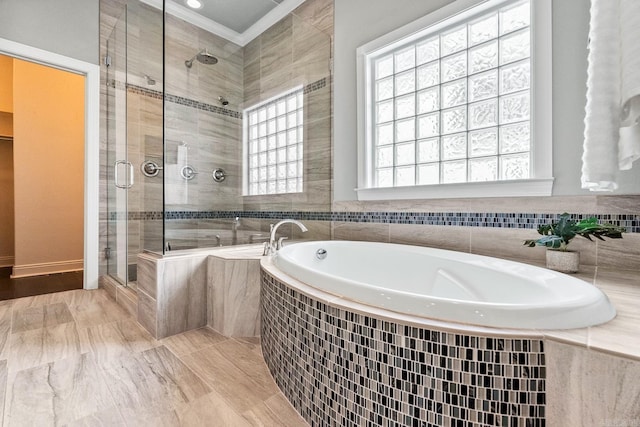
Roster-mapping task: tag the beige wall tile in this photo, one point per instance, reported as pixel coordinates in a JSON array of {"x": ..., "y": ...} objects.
[
  {"x": 620, "y": 253},
  {"x": 618, "y": 204},
  {"x": 147, "y": 313},
  {"x": 370, "y": 232},
  {"x": 452, "y": 238},
  {"x": 127, "y": 298},
  {"x": 565, "y": 393},
  {"x": 181, "y": 295},
  {"x": 318, "y": 13},
  {"x": 233, "y": 296},
  {"x": 505, "y": 243},
  {"x": 147, "y": 276},
  {"x": 586, "y": 387}
]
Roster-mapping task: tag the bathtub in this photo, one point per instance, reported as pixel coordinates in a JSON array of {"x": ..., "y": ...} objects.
[{"x": 445, "y": 285}]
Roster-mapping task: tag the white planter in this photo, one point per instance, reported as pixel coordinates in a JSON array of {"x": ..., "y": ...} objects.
[{"x": 563, "y": 261}]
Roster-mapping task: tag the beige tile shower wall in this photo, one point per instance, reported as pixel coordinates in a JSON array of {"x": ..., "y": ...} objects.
[
  {"x": 202, "y": 82},
  {"x": 213, "y": 140},
  {"x": 297, "y": 51},
  {"x": 493, "y": 241}
]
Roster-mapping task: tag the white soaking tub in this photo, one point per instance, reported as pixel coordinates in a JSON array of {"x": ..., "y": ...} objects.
[{"x": 446, "y": 285}]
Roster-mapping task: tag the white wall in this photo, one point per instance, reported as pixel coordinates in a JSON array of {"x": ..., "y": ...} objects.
[
  {"x": 66, "y": 27},
  {"x": 360, "y": 21}
]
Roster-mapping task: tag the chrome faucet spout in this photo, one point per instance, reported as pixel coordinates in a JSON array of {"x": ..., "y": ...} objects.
[{"x": 274, "y": 245}]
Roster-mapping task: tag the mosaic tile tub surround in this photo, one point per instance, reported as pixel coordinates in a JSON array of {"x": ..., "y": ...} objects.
[{"x": 340, "y": 367}]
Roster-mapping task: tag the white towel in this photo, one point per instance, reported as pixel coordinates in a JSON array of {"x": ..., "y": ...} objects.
[
  {"x": 629, "y": 144},
  {"x": 611, "y": 138},
  {"x": 176, "y": 189}
]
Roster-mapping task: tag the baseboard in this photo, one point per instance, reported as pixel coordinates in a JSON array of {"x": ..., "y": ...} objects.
[
  {"x": 6, "y": 261},
  {"x": 46, "y": 268}
]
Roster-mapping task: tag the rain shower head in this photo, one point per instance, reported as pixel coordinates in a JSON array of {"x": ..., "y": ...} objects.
[
  {"x": 150, "y": 81},
  {"x": 204, "y": 57}
]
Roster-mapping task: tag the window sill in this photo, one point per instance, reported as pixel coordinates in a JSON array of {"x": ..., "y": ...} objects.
[{"x": 516, "y": 188}]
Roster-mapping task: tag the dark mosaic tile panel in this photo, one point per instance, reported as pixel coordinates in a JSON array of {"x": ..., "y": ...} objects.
[
  {"x": 461, "y": 219},
  {"x": 343, "y": 369}
]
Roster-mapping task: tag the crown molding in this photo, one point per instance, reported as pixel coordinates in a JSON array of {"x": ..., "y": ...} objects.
[{"x": 274, "y": 15}]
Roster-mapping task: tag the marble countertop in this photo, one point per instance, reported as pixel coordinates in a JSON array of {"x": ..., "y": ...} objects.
[{"x": 620, "y": 336}]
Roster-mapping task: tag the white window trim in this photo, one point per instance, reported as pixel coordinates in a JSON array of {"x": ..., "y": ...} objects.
[
  {"x": 245, "y": 140},
  {"x": 541, "y": 181}
]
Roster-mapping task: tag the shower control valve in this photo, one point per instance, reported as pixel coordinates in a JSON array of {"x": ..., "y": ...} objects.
[{"x": 219, "y": 175}]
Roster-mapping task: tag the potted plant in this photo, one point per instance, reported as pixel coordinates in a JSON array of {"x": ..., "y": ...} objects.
[{"x": 557, "y": 235}]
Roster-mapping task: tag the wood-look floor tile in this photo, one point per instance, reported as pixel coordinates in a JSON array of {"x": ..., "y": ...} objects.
[
  {"x": 57, "y": 393},
  {"x": 152, "y": 383},
  {"x": 192, "y": 341},
  {"x": 240, "y": 391},
  {"x": 204, "y": 410},
  {"x": 5, "y": 328},
  {"x": 97, "y": 313},
  {"x": 275, "y": 411},
  {"x": 251, "y": 343},
  {"x": 279, "y": 405},
  {"x": 108, "y": 418},
  {"x": 44, "y": 345},
  {"x": 4, "y": 372},
  {"x": 250, "y": 363},
  {"x": 83, "y": 296},
  {"x": 37, "y": 301},
  {"x": 41, "y": 316},
  {"x": 117, "y": 339}
]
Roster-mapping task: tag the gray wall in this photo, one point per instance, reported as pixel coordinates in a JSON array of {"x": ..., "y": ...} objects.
[
  {"x": 360, "y": 21},
  {"x": 66, "y": 27}
]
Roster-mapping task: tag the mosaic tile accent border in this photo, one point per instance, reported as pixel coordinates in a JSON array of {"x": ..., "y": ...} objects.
[
  {"x": 317, "y": 85},
  {"x": 459, "y": 219},
  {"x": 337, "y": 367}
]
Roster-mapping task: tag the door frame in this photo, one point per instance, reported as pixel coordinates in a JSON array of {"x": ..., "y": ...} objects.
[{"x": 91, "y": 72}]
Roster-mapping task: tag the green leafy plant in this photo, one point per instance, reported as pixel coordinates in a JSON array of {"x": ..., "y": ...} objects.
[{"x": 557, "y": 235}]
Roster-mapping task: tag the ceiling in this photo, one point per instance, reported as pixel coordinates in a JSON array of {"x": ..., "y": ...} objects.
[
  {"x": 237, "y": 15},
  {"x": 239, "y": 21}
]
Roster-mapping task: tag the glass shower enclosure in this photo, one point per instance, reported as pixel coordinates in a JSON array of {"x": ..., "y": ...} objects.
[
  {"x": 134, "y": 123},
  {"x": 210, "y": 140}
]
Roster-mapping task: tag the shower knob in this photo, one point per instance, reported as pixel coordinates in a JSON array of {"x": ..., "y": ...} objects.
[
  {"x": 188, "y": 172},
  {"x": 219, "y": 175},
  {"x": 150, "y": 168}
]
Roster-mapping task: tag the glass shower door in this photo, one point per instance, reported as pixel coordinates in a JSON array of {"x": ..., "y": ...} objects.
[{"x": 119, "y": 170}]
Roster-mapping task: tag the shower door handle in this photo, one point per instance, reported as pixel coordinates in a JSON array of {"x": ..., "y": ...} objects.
[{"x": 129, "y": 182}]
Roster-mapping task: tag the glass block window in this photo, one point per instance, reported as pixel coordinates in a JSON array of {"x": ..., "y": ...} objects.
[
  {"x": 454, "y": 105},
  {"x": 273, "y": 135}
]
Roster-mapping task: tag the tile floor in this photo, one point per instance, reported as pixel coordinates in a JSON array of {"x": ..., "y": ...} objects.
[{"x": 76, "y": 358}]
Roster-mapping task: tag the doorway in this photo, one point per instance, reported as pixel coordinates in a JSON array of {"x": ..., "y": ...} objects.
[{"x": 91, "y": 145}]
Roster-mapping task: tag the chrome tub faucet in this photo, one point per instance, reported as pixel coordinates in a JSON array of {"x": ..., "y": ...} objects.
[{"x": 274, "y": 244}]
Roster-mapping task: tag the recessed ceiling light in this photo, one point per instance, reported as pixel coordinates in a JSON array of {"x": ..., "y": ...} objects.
[{"x": 194, "y": 4}]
